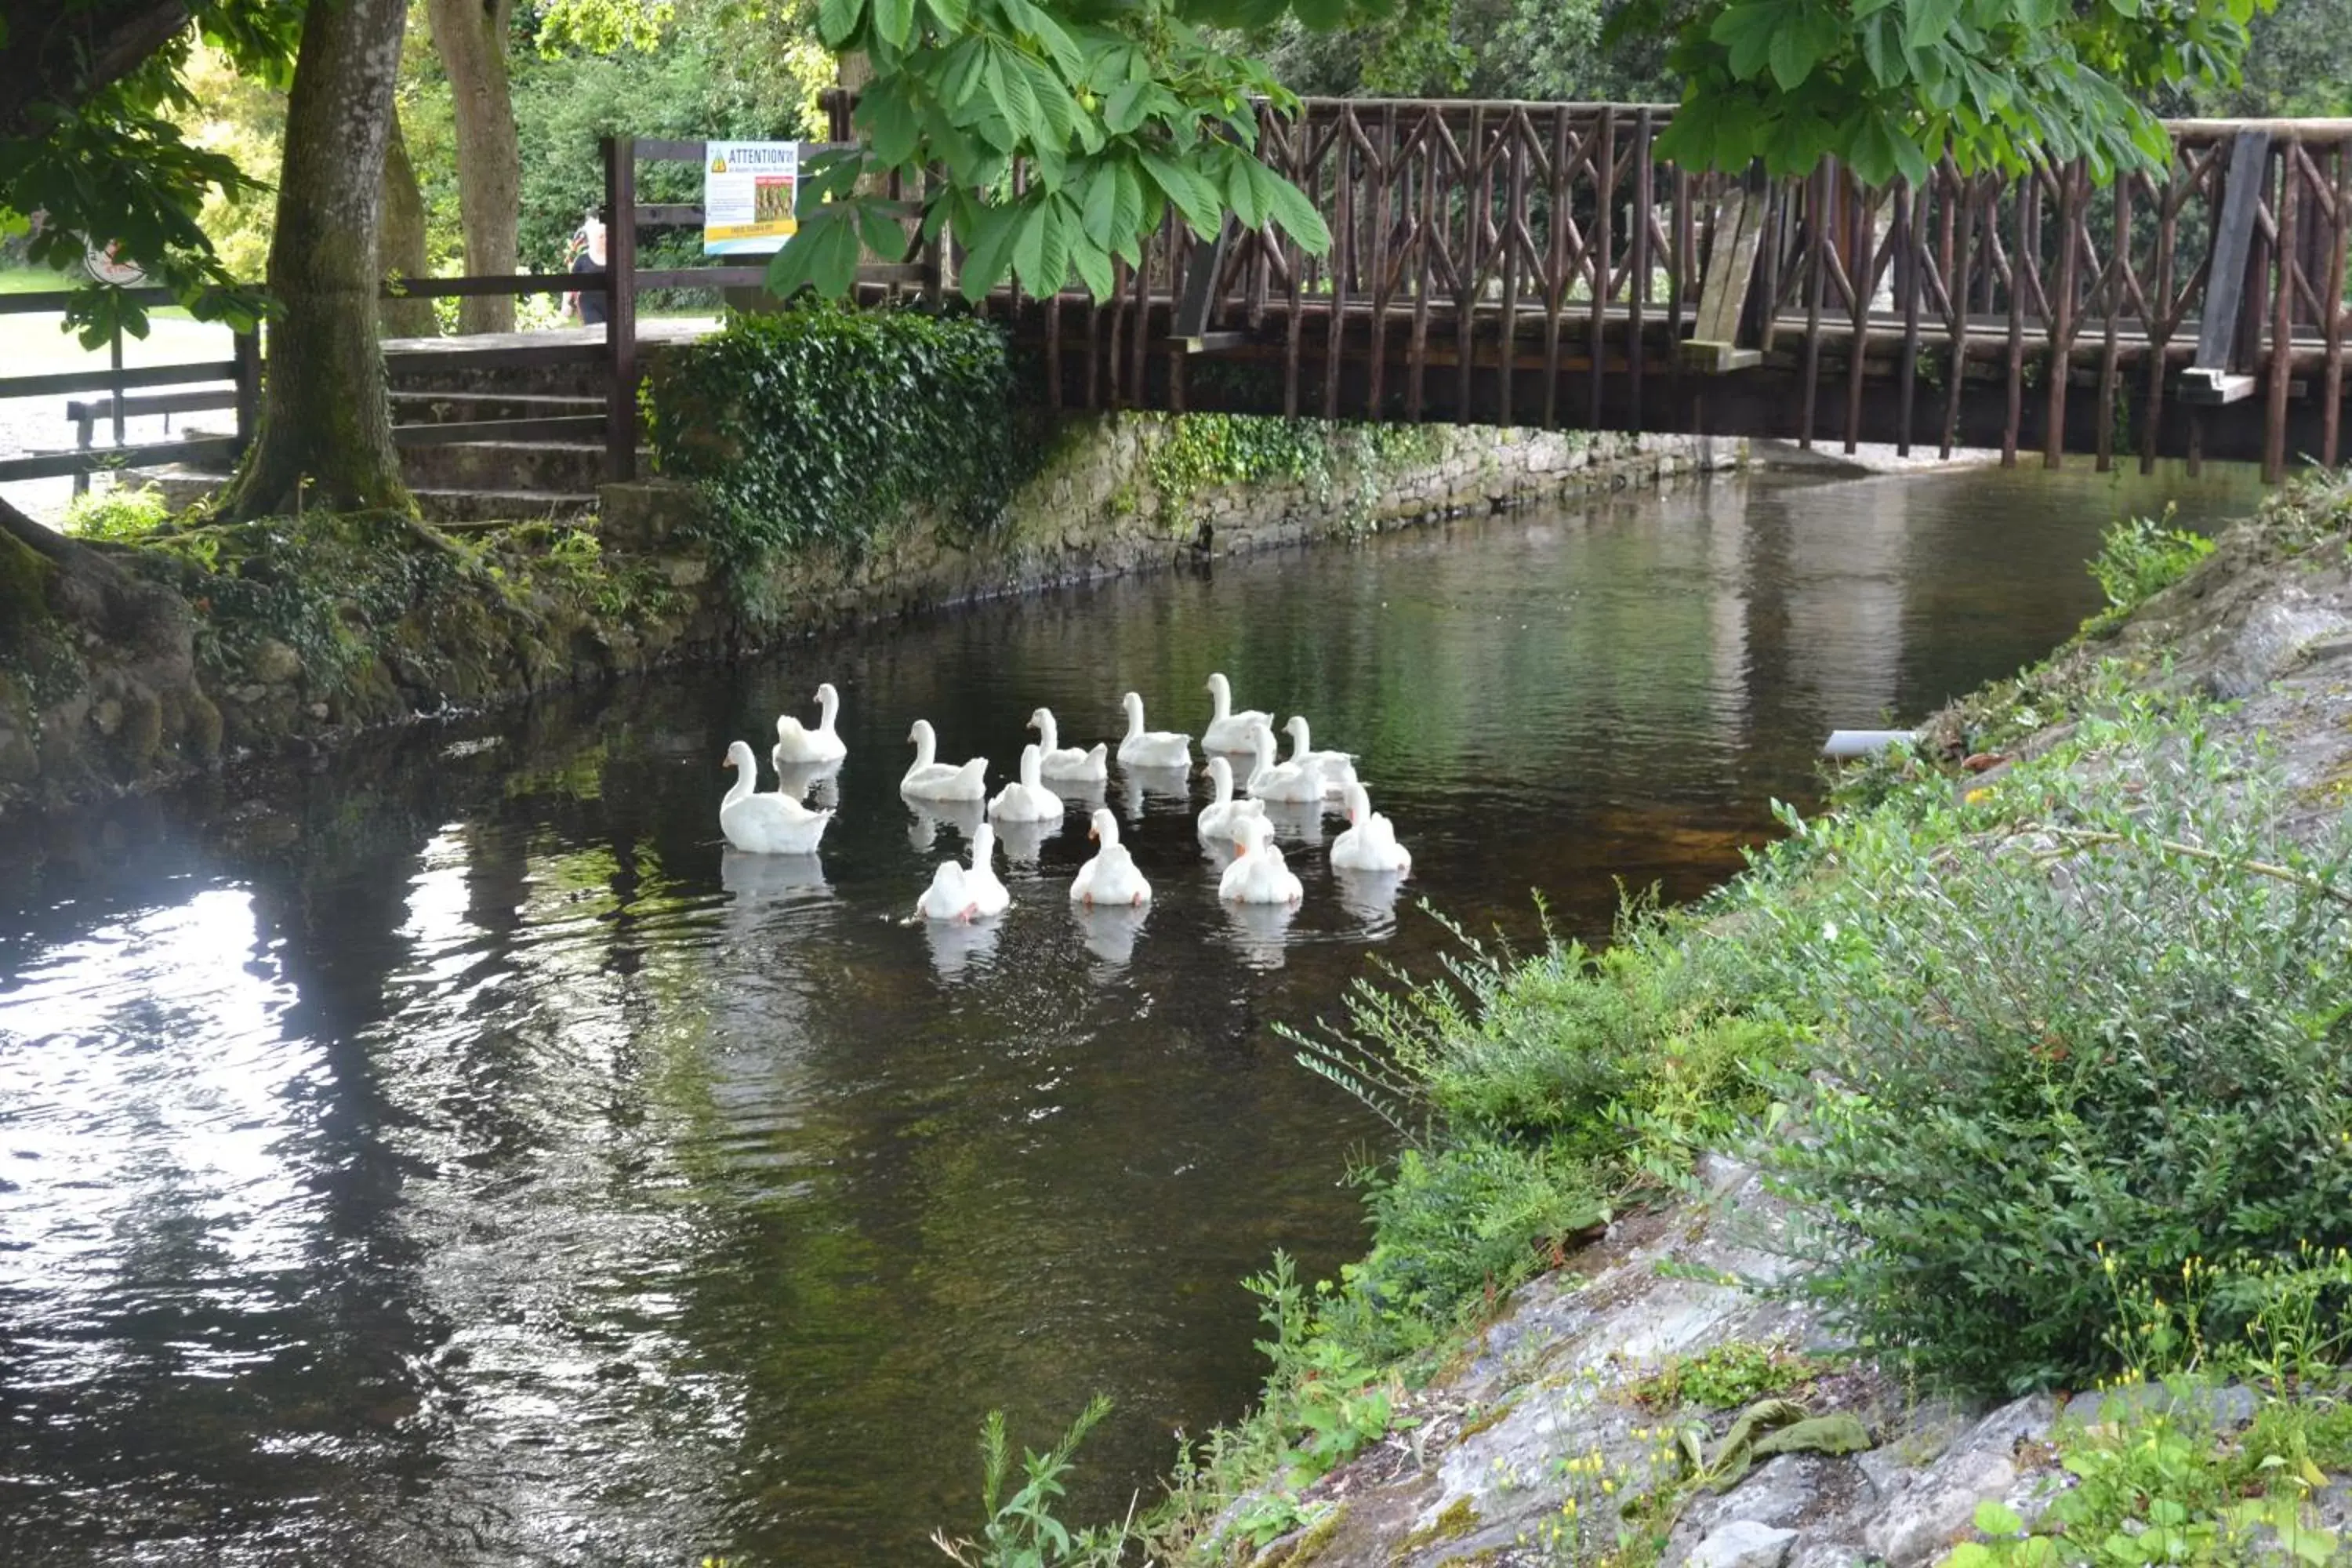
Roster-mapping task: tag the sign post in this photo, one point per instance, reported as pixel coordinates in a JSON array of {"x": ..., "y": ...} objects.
[{"x": 748, "y": 192}]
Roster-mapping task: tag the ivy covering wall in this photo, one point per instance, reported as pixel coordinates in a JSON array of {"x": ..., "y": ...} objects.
[{"x": 818, "y": 426}]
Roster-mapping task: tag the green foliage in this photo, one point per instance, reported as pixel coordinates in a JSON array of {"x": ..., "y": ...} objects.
[
  {"x": 816, "y": 426},
  {"x": 1888, "y": 86},
  {"x": 705, "y": 69},
  {"x": 1020, "y": 1530},
  {"x": 104, "y": 163},
  {"x": 1198, "y": 451},
  {"x": 1456, "y": 1228},
  {"x": 1322, "y": 1396},
  {"x": 119, "y": 513},
  {"x": 1543, "y": 50},
  {"x": 1119, "y": 115},
  {"x": 1730, "y": 1376},
  {"x": 1535, "y": 1093},
  {"x": 2088, "y": 1018},
  {"x": 2298, "y": 63},
  {"x": 1636, "y": 1059},
  {"x": 2154, "y": 1483},
  {"x": 2140, "y": 557}
]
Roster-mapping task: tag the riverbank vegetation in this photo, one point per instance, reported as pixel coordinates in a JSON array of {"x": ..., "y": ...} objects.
[{"x": 2052, "y": 1055}]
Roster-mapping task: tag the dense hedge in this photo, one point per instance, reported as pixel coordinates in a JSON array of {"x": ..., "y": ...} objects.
[{"x": 815, "y": 425}]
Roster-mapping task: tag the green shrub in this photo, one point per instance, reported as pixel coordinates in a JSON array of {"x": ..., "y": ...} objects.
[
  {"x": 1460, "y": 1225},
  {"x": 2140, "y": 557},
  {"x": 1635, "y": 1058},
  {"x": 816, "y": 424},
  {"x": 2093, "y": 1017},
  {"x": 119, "y": 513}
]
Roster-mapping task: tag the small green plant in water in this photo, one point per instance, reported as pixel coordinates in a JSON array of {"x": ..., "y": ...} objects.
[{"x": 1020, "y": 1530}]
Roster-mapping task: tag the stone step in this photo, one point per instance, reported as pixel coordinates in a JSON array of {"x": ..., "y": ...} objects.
[
  {"x": 446, "y": 371},
  {"x": 455, "y": 407},
  {"x": 552, "y": 468},
  {"x": 481, "y": 509},
  {"x": 561, "y": 361},
  {"x": 454, "y": 506}
]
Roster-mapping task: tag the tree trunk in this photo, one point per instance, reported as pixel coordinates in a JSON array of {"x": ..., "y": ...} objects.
[
  {"x": 471, "y": 38},
  {"x": 401, "y": 250},
  {"x": 325, "y": 419}
]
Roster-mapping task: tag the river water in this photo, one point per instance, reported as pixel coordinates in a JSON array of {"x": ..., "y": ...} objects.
[{"x": 455, "y": 1155}]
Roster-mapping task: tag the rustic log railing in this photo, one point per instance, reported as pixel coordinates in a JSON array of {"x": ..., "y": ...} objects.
[{"x": 1538, "y": 263}]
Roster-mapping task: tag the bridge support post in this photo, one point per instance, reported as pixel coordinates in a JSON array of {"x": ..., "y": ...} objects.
[{"x": 2212, "y": 378}]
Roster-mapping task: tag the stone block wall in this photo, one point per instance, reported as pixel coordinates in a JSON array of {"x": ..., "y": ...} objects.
[{"x": 1094, "y": 510}]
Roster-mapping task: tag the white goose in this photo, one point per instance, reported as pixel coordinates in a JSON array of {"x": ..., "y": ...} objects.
[
  {"x": 1223, "y": 816},
  {"x": 1110, "y": 878},
  {"x": 959, "y": 892},
  {"x": 795, "y": 745},
  {"x": 765, "y": 823},
  {"x": 1258, "y": 875},
  {"x": 1150, "y": 748},
  {"x": 932, "y": 780},
  {"x": 1026, "y": 800},
  {"x": 1229, "y": 731},
  {"x": 1062, "y": 762},
  {"x": 1370, "y": 844},
  {"x": 1288, "y": 783},
  {"x": 1336, "y": 769}
]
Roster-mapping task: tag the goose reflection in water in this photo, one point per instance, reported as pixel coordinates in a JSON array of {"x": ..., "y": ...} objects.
[
  {"x": 1025, "y": 841},
  {"x": 1136, "y": 783},
  {"x": 1109, "y": 931},
  {"x": 1295, "y": 821},
  {"x": 1260, "y": 932},
  {"x": 798, "y": 779},
  {"x": 1370, "y": 896},
  {"x": 772, "y": 877},
  {"x": 930, "y": 815},
  {"x": 956, "y": 945}
]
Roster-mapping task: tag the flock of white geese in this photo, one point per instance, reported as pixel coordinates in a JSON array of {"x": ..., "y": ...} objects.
[{"x": 777, "y": 822}]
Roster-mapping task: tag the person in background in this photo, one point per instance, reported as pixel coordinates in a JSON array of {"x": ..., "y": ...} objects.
[{"x": 587, "y": 254}]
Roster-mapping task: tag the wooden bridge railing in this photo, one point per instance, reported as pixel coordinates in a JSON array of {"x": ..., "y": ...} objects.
[{"x": 1537, "y": 263}]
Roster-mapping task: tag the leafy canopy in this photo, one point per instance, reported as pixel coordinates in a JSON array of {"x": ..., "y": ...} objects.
[
  {"x": 1118, "y": 111},
  {"x": 100, "y": 162},
  {"x": 1886, "y": 86}
]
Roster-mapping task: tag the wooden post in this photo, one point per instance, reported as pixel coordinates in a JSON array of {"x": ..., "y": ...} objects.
[
  {"x": 2213, "y": 377},
  {"x": 114, "y": 359},
  {"x": 2332, "y": 388},
  {"x": 621, "y": 307},
  {"x": 2282, "y": 323},
  {"x": 246, "y": 349}
]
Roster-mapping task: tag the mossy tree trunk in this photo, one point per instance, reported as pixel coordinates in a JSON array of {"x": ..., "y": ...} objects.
[
  {"x": 471, "y": 36},
  {"x": 326, "y": 420},
  {"x": 403, "y": 244}
]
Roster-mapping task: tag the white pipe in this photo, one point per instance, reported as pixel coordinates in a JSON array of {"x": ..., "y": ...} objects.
[{"x": 1844, "y": 744}]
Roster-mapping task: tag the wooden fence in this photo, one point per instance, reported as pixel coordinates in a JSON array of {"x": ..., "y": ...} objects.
[{"x": 1537, "y": 263}]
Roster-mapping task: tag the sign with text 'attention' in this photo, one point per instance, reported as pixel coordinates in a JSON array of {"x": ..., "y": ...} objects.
[{"x": 748, "y": 189}]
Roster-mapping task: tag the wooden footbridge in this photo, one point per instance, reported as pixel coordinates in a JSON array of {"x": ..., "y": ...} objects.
[{"x": 1538, "y": 264}]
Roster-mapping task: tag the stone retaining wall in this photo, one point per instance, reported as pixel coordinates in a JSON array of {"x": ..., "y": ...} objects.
[{"x": 1094, "y": 511}]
